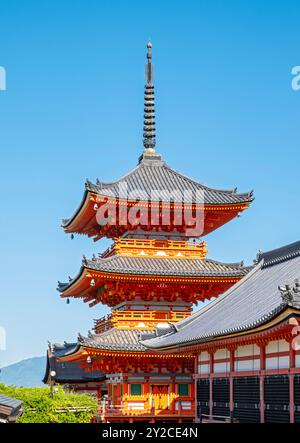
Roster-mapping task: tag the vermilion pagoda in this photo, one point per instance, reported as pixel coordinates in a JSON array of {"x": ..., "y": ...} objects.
[{"x": 153, "y": 273}]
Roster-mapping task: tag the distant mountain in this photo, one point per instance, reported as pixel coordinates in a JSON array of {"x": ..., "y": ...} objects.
[{"x": 27, "y": 372}]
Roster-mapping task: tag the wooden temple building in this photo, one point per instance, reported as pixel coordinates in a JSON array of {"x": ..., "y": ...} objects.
[
  {"x": 154, "y": 272},
  {"x": 246, "y": 344},
  {"x": 71, "y": 375}
]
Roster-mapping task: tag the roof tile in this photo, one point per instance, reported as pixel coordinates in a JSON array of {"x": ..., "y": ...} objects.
[
  {"x": 156, "y": 180},
  {"x": 252, "y": 301}
]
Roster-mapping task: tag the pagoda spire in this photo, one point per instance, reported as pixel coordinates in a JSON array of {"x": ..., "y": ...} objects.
[{"x": 149, "y": 109}]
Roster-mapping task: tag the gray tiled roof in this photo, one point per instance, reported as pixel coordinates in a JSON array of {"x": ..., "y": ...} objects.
[
  {"x": 166, "y": 266},
  {"x": 252, "y": 301},
  {"x": 114, "y": 339},
  {"x": 281, "y": 254},
  {"x": 162, "y": 267},
  {"x": 68, "y": 372},
  {"x": 61, "y": 349},
  {"x": 10, "y": 402},
  {"x": 152, "y": 175}
]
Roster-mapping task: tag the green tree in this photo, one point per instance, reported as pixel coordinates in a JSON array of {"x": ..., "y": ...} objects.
[{"x": 62, "y": 408}]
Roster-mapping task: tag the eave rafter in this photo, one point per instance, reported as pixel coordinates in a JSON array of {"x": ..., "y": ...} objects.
[
  {"x": 97, "y": 287},
  {"x": 85, "y": 220},
  {"x": 109, "y": 361}
]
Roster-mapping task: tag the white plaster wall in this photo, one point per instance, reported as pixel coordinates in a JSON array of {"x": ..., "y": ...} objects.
[
  {"x": 283, "y": 345},
  {"x": 247, "y": 350},
  {"x": 277, "y": 362},
  {"x": 250, "y": 364},
  {"x": 203, "y": 369},
  {"x": 203, "y": 356},
  {"x": 221, "y": 367},
  {"x": 272, "y": 363},
  {"x": 256, "y": 364},
  {"x": 221, "y": 353},
  {"x": 272, "y": 347},
  {"x": 247, "y": 365},
  {"x": 283, "y": 362}
]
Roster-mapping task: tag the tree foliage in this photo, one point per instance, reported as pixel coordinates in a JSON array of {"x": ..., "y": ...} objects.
[{"x": 62, "y": 408}]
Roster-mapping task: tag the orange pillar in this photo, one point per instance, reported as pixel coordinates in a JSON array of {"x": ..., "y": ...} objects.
[
  {"x": 146, "y": 391},
  {"x": 99, "y": 394},
  {"x": 119, "y": 398},
  {"x": 173, "y": 390},
  {"x": 125, "y": 386},
  {"x": 146, "y": 385}
]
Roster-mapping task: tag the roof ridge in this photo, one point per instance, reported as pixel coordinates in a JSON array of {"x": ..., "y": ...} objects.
[
  {"x": 99, "y": 259},
  {"x": 280, "y": 254},
  {"x": 184, "y": 176},
  {"x": 231, "y": 264},
  {"x": 118, "y": 180},
  {"x": 63, "y": 345},
  {"x": 102, "y": 184},
  {"x": 140, "y": 165},
  {"x": 210, "y": 260}
]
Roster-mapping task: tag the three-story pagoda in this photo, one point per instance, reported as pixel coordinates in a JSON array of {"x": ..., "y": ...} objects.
[{"x": 154, "y": 271}]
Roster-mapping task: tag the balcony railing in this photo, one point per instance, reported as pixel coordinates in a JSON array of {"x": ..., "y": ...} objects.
[
  {"x": 149, "y": 315},
  {"x": 103, "y": 324},
  {"x": 156, "y": 248},
  {"x": 130, "y": 318},
  {"x": 146, "y": 406}
]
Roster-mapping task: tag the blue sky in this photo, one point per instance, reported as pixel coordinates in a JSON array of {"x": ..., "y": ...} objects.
[{"x": 226, "y": 116}]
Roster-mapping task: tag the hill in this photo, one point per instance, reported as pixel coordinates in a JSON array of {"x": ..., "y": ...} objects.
[{"x": 27, "y": 373}]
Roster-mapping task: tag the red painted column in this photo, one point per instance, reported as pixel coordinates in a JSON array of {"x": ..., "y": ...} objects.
[
  {"x": 211, "y": 362},
  {"x": 211, "y": 371},
  {"x": 99, "y": 395},
  {"x": 146, "y": 391},
  {"x": 173, "y": 390},
  {"x": 125, "y": 385},
  {"x": 231, "y": 369},
  {"x": 118, "y": 400},
  {"x": 232, "y": 354},
  {"x": 291, "y": 378},
  {"x": 292, "y": 399},
  {"x": 195, "y": 388},
  {"x": 261, "y": 382},
  {"x": 146, "y": 385},
  {"x": 292, "y": 356}
]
